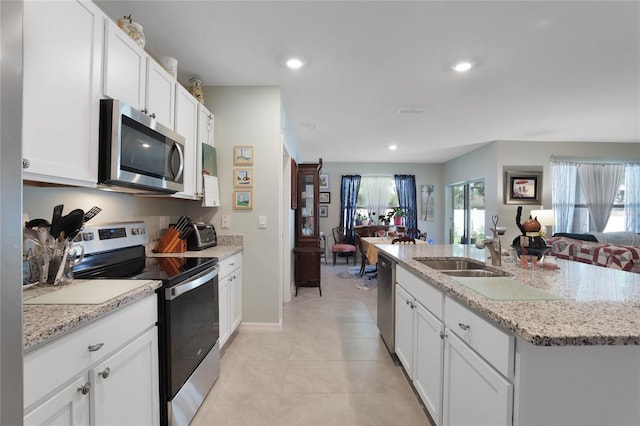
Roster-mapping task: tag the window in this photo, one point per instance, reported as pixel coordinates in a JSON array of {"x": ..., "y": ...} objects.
[
  {"x": 617, "y": 220},
  {"x": 377, "y": 196}
]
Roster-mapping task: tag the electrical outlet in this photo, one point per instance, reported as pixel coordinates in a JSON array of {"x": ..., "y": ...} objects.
[
  {"x": 226, "y": 221},
  {"x": 262, "y": 222}
]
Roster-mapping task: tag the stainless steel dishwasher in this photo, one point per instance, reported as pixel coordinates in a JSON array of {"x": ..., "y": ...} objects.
[{"x": 387, "y": 301}]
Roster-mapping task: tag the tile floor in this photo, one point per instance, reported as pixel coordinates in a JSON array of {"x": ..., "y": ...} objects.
[{"x": 328, "y": 366}]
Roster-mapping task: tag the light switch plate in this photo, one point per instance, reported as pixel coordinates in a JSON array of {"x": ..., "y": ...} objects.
[
  {"x": 226, "y": 221},
  {"x": 262, "y": 222}
]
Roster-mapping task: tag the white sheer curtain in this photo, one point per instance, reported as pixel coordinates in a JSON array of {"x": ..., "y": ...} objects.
[
  {"x": 376, "y": 190},
  {"x": 599, "y": 184},
  {"x": 563, "y": 194},
  {"x": 632, "y": 197}
]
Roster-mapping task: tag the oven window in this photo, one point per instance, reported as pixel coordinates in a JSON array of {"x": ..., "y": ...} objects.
[{"x": 193, "y": 328}]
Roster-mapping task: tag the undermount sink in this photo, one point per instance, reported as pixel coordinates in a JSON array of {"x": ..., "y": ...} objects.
[
  {"x": 452, "y": 264},
  {"x": 474, "y": 273}
]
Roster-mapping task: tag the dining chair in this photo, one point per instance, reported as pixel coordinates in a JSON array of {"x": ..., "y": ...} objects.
[
  {"x": 341, "y": 244},
  {"x": 403, "y": 240},
  {"x": 363, "y": 255}
]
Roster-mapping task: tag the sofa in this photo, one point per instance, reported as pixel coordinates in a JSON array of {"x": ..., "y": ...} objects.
[{"x": 617, "y": 250}]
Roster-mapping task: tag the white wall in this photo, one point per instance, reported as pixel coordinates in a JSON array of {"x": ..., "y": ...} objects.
[
  {"x": 426, "y": 174},
  {"x": 252, "y": 116}
]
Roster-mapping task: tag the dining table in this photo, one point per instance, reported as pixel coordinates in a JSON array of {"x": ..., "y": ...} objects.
[{"x": 369, "y": 246}]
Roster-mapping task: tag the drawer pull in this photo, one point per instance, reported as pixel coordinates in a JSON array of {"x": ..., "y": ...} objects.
[
  {"x": 84, "y": 389},
  {"x": 465, "y": 327},
  {"x": 104, "y": 374},
  {"x": 95, "y": 347},
  {"x": 442, "y": 335}
]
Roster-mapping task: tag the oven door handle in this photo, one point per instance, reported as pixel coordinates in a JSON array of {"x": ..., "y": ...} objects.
[{"x": 201, "y": 279}]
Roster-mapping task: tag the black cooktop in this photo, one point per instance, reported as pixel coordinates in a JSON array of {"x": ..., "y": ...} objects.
[{"x": 132, "y": 263}]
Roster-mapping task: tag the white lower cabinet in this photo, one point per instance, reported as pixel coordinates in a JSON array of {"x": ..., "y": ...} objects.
[
  {"x": 230, "y": 295},
  {"x": 419, "y": 347},
  {"x": 69, "y": 406},
  {"x": 104, "y": 373},
  {"x": 124, "y": 383},
  {"x": 474, "y": 393}
]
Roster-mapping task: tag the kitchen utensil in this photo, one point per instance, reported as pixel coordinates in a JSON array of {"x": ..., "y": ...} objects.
[
  {"x": 35, "y": 223},
  {"x": 70, "y": 224},
  {"x": 56, "y": 263},
  {"x": 57, "y": 213},
  {"x": 92, "y": 213}
]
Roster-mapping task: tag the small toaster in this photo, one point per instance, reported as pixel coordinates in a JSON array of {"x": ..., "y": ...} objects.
[{"x": 202, "y": 237}]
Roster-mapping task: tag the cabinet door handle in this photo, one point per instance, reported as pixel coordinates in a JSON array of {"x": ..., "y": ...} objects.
[
  {"x": 463, "y": 326},
  {"x": 144, "y": 111},
  {"x": 232, "y": 264},
  {"x": 25, "y": 163},
  {"x": 153, "y": 115},
  {"x": 104, "y": 374},
  {"x": 442, "y": 335},
  {"x": 85, "y": 388},
  {"x": 95, "y": 347}
]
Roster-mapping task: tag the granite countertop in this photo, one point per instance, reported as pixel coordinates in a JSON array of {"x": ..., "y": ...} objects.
[
  {"x": 598, "y": 306},
  {"x": 43, "y": 323}
]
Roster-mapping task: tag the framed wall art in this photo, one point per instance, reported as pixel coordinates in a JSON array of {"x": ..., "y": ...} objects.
[
  {"x": 243, "y": 155},
  {"x": 243, "y": 177},
  {"x": 522, "y": 187},
  {"x": 324, "y": 198},
  {"x": 427, "y": 203},
  {"x": 323, "y": 211},
  {"x": 242, "y": 200},
  {"x": 324, "y": 182}
]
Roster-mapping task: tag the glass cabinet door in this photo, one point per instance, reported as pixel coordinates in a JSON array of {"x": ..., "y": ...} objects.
[{"x": 308, "y": 206}]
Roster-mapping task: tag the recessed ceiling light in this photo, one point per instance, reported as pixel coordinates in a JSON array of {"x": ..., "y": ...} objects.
[
  {"x": 393, "y": 147},
  {"x": 463, "y": 66},
  {"x": 295, "y": 63}
]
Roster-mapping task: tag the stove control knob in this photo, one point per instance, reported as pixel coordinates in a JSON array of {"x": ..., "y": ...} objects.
[{"x": 87, "y": 236}]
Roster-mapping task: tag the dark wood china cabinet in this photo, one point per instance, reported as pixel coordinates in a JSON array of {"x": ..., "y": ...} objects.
[{"x": 307, "y": 247}]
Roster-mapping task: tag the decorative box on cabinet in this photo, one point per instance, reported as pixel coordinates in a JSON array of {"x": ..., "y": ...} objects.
[
  {"x": 61, "y": 96},
  {"x": 101, "y": 374},
  {"x": 307, "y": 249}
]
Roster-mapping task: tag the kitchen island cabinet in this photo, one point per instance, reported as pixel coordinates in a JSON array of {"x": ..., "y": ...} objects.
[
  {"x": 61, "y": 95},
  {"x": 518, "y": 361}
]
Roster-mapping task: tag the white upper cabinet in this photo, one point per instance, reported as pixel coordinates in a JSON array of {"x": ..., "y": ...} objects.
[
  {"x": 161, "y": 90},
  {"x": 125, "y": 65},
  {"x": 187, "y": 126},
  {"x": 62, "y": 71},
  {"x": 205, "y": 136}
]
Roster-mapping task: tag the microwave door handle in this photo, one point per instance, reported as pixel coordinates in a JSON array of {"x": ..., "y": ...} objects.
[{"x": 178, "y": 174}]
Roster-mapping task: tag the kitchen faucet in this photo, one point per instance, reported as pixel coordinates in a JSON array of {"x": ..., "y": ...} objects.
[{"x": 494, "y": 245}]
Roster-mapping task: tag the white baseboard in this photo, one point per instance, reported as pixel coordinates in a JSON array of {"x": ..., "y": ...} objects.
[{"x": 261, "y": 326}]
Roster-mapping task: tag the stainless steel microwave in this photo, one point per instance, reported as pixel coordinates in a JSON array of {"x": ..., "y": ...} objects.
[{"x": 136, "y": 152}]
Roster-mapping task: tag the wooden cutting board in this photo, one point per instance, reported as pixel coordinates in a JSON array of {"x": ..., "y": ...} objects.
[{"x": 93, "y": 292}]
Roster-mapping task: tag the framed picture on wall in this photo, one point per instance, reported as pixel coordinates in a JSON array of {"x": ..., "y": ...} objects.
[
  {"x": 243, "y": 177},
  {"x": 522, "y": 187},
  {"x": 323, "y": 211},
  {"x": 324, "y": 182},
  {"x": 325, "y": 198},
  {"x": 242, "y": 200},
  {"x": 243, "y": 155}
]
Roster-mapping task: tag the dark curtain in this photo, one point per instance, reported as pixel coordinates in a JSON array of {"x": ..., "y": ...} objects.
[
  {"x": 406, "y": 187},
  {"x": 349, "y": 188}
]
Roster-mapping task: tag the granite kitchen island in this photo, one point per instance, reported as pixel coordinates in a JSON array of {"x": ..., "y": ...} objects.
[{"x": 570, "y": 355}]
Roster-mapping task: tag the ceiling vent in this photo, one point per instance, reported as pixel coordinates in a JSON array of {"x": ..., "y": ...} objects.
[{"x": 409, "y": 110}]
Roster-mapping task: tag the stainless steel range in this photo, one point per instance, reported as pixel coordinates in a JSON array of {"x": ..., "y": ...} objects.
[{"x": 188, "y": 319}]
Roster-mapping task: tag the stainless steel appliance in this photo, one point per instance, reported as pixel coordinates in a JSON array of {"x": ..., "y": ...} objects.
[
  {"x": 203, "y": 236},
  {"x": 137, "y": 152},
  {"x": 387, "y": 301},
  {"x": 188, "y": 317}
]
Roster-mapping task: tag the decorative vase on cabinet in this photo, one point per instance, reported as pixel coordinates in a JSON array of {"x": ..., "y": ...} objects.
[{"x": 307, "y": 248}]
